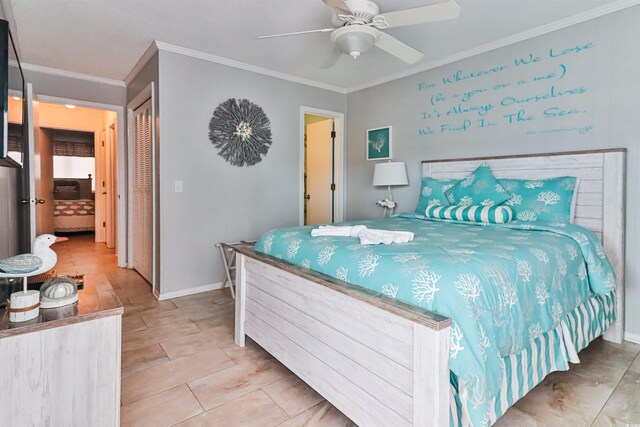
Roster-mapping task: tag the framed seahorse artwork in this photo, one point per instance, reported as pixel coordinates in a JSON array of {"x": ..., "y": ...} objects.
[{"x": 379, "y": 143}]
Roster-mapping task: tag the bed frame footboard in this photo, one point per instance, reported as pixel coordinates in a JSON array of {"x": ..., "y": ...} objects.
[{"x": 379, "y": 361}]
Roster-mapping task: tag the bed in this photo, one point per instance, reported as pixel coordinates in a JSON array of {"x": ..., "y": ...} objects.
[
  {"x": 382, "y": 361},
  {"x": 74, "y": 209}
]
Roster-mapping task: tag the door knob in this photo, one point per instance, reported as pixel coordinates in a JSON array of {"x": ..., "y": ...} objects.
[
  {"x": 307, "y": 196},
  {"x": 40, "y": 201}
]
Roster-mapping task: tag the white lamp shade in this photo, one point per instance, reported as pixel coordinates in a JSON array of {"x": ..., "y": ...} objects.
[{"x": 392, "y": 173}]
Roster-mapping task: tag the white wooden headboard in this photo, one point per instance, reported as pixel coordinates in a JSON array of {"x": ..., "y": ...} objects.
[{"x": 600, "y": 201}]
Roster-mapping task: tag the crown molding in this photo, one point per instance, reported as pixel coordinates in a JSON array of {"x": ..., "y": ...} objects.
[
  {"x": 158, "y": 46},
  {"x": 516, "y": 38},
  {"x": 162, "y": 46},
  {"x": 144, "y": 59},
  {"x": 69, "y": 74}
]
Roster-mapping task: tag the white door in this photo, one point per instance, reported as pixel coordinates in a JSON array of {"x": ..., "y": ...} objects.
[
  {"x": 101, "y": 185},
  {"x": 319, "y": 173},
  {"x": 43, "y": 172},
  {"x": 30, "y": 126},
  {"x": 112, "y": 185},
  {"x": 143, "y": 192}
]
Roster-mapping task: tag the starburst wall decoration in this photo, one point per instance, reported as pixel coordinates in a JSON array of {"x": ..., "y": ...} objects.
[{"x": 241, "y": 131}]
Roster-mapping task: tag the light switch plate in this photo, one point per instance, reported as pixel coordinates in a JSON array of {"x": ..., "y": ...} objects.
[{"x": 177, "y": 185}]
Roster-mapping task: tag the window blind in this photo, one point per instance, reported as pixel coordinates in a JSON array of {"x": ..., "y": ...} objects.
[
  {"x": 72, "y": 143},
  {"x": 14, "y": 137}
]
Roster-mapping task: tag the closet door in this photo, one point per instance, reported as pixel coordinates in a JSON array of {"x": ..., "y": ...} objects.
[{"x": 143, "y": 192}]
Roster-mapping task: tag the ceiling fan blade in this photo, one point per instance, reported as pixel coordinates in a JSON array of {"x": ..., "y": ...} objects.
[
  {"x": 421, "y": 15},
  {"x": 331, "y": 60},
  {"x": 338, "y": 6},
  {"x": 295, "y": 33},
  {"x": 398, "y": 49}
]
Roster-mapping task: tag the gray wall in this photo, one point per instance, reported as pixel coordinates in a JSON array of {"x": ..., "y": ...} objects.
[
  {"x": 221, "y": 202},
  {"x": 608, "y": 71}
]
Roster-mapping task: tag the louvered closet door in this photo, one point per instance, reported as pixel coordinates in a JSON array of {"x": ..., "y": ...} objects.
[{"x": 143, "y": 192}]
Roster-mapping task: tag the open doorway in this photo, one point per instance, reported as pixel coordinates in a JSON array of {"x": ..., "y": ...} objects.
[
  {"x": 75, "y": 170},
  {"x": 322, "y": 167}
]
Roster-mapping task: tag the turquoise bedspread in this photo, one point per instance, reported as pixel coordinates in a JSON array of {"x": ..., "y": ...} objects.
[{"x": 502, "y": 284}]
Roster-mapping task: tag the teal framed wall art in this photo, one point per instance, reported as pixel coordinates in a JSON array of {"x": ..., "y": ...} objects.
[{"x": 379, "y": 143}]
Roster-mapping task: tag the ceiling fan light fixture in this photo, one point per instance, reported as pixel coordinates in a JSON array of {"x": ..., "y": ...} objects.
[{"x": 354, "y": 40}]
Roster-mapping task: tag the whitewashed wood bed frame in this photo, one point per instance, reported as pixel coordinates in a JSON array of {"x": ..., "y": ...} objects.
[{"x": 380, "y": 361}]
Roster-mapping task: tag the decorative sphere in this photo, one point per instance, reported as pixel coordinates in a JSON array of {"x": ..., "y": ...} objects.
[{"x": 58, "y": 287}]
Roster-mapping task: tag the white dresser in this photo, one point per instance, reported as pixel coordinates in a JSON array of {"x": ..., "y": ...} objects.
[{"x": 63, "y": 368}]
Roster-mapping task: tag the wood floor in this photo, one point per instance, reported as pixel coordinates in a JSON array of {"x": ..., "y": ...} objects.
[{"x": 181, "y": 367}]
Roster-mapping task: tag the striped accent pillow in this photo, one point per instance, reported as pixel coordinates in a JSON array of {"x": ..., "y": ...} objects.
[{"x": 475, "y": 213}]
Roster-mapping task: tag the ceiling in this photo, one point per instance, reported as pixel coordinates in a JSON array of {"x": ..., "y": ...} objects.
[{"x": 106, "y": 38}]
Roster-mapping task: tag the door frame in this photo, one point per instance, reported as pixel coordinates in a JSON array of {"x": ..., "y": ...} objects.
[
  {"x": 340, "y": 176},
  {"x": 123, "y": 224},
  {"x": 26, "y": 182},
  {"x": 30, "y": 99},
  {"x": 145, "y": 94}
]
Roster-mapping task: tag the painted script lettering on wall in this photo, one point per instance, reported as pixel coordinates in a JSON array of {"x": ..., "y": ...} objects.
[{"x": 534, "y": 93}]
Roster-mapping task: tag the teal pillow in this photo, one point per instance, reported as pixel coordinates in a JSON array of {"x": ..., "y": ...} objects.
[
  {"x": 479, "y": 188},
  {"x": 432, "y": 192},
  {"x": 549, "y": 200}
]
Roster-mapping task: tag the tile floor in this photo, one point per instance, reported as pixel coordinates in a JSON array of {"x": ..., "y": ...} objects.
[{"x": 180, "y": 367}]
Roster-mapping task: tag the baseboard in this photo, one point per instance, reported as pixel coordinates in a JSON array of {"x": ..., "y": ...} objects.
[
  {"x": 635, "y": 338},
  {"x": 190, "y": 291}
]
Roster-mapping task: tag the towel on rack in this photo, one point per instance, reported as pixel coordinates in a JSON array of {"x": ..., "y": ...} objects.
[{"x": 367, "y": 236}]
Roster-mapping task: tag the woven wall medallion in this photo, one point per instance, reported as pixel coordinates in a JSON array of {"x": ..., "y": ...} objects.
[{"x": 241, "y": 132}]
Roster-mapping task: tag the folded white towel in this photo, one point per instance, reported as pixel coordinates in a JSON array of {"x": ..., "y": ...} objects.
[
  {"x": 332, "y": 230},
  {"x": 357, "y": 230},
  {"x": 374, "y": 237},
  {"x": 367, "y": 236}
]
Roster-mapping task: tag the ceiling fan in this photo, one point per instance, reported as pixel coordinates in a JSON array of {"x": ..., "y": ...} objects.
[{"x": 358, "y": 24}]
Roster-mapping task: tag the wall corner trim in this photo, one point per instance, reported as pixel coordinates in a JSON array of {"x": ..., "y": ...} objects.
[
  {"x": 162, "y": 46},
  {"x": 515, "y": 38},
  {"x": 190, "y": 291},
  {"x": 68, "y": 74},
  {"x": 146, "y": 56}
]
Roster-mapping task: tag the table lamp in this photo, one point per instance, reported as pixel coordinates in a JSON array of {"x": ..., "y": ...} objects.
[{"x": 389, "y": 175}]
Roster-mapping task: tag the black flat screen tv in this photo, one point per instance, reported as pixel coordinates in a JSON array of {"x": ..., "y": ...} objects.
[{"x": 11, "y": 84}]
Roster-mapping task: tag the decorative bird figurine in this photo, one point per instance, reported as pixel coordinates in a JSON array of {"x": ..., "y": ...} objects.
[
  {"x": 387, "y": 204},
  {"x": 40, "y": 261}
]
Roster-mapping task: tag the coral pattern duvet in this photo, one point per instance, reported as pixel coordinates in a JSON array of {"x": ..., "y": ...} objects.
[{"x": 503, "y": 285}]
